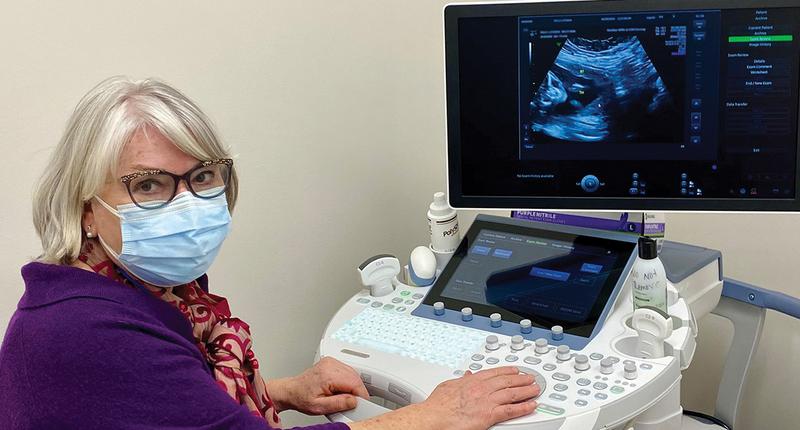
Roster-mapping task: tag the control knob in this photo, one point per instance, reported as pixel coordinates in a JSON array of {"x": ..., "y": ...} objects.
[
  {"x": 562, "y": 353},
  {"x": 438, "y": 308},
  {"x": 496, "y": 320},
  {"x": 541, "y": 346},
  {"x": 492, "y": 343},
  {"x": 525, "y": 326},
  {"x": 606, "y": 366},
  {"x": 557, "y": 332},
  {"x": 466, "y": 314},
  {"x": 517, "y": 343},
  {"x": 581, "y": 362},
  {"x": 630, "y": 371}
]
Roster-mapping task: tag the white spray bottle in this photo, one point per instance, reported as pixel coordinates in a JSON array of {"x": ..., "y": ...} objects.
[{"x": 443, "y": 227}]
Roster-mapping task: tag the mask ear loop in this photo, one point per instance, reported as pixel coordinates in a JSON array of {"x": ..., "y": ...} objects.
[
  {"x": 100, "y": 239},
  {"x": 107, "y": 206},
  {"x": 121, "y": 271}
]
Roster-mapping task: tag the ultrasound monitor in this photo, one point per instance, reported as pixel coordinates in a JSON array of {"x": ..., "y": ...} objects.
[{"x": 623, "y": 105}]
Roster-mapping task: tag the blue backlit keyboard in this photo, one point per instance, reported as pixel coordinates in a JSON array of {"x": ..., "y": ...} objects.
[{"x": 408, "y": 336}]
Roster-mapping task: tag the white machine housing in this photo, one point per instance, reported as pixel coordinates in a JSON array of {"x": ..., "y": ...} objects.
[{"x": 571, "y": 399}]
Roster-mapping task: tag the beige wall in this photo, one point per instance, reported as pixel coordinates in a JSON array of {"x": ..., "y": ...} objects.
[{"x": 335, "y": 110}]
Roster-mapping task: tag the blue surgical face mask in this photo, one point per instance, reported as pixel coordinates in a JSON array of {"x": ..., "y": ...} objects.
[{"x": 174, "y": 244}]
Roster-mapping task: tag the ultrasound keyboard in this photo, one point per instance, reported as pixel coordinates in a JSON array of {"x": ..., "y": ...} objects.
[{"x": 417, "y": 338}]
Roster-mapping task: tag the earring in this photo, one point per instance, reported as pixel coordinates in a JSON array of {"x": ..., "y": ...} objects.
[{"x": 89, "y": 233}]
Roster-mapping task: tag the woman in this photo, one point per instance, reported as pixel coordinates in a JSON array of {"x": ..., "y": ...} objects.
[{"x": 116, "y": 328}]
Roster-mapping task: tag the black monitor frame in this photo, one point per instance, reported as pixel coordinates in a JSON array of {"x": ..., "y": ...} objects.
[{"x": 457, "y": 198}]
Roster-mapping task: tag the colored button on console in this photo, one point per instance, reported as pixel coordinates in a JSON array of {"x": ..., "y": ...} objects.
[{"x": 548, "y": 409}]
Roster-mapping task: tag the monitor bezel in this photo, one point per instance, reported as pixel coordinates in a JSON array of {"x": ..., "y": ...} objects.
[{"x": 456, "y": 197}]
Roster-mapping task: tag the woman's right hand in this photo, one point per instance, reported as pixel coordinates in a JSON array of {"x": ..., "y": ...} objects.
[
  {"x": 476, "y": 401},
  {"x": 480, "y": 400}
]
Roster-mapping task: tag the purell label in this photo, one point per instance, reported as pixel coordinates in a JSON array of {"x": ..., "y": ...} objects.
[{"x": 444, "y": 234}]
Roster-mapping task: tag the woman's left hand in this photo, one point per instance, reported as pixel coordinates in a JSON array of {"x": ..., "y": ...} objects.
[{"x": 329, "y": 386}]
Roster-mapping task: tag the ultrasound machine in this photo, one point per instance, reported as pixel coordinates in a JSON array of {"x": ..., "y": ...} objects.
[{"x": 654, "y": 105}]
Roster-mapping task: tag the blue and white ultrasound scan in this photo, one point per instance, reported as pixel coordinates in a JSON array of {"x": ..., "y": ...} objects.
[
  {"x": 596, "y": 90},
  {"x": 596, "y": 86}
]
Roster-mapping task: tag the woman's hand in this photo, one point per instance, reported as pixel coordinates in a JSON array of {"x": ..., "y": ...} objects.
[
  {"x": 472, "y": 402},
  {"x": 329, "y": 386},
  {"x": 481, "y": 400}
]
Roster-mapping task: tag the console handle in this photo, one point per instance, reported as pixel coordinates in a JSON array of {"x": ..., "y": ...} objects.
[{"x": 364, "y": 410}]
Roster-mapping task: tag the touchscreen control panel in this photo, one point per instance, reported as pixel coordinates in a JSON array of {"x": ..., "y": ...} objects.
[{"x": 517, "y": 279}]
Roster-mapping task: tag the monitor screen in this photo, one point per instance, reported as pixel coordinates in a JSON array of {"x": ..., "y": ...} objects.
[
  {"x": 550, "y": 277},
  {"x": 659, "y": 105}
]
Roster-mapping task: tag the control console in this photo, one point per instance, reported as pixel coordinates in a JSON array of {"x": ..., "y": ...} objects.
[{"x": 550, "y": 300}]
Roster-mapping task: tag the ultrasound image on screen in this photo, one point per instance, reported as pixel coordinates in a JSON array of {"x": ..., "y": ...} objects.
[{"x": 602, "y": 90}]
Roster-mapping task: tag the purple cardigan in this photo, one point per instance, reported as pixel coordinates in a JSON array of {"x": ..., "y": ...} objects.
[{"x": 85, "y": 352}]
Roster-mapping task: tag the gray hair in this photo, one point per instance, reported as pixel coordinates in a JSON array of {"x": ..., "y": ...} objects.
[{"x": 86, "y": 158}]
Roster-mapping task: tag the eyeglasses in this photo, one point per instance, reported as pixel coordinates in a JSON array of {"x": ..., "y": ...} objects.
[{"x": 152, "y": 189}]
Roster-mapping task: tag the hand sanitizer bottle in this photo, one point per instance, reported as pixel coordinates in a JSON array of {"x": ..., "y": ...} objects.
[
  {"x": 443, "y": 225},
  {"x": 649, "y": 279}
]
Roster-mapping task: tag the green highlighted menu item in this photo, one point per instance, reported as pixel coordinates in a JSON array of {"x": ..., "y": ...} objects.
[{"x": 764, "y": 38}]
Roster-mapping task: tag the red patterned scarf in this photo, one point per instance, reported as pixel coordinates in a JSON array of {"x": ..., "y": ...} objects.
[{"x": 224, "y": 341}]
